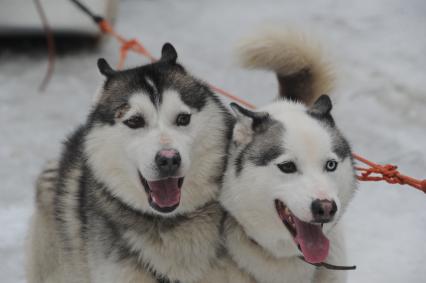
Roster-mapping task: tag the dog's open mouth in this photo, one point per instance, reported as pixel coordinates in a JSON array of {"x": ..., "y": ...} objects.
[
  {"x": 164, "y": 194},
  {"x": 309, "y": 237}
]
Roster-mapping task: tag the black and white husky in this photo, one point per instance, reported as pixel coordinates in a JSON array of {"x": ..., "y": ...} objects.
[
  {"x": 132, "y": 198},
  {"x": 290, "y": 173}
]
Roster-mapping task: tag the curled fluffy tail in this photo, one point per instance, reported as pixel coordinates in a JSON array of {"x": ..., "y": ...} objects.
[{"x": 302, "y": 72}]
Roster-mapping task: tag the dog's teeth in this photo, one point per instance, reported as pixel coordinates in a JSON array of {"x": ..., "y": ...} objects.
[{"x": 287, "y": 211}]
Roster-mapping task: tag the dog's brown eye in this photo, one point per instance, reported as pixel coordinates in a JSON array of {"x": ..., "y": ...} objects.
[
  {"x": 331, "y": 165},
  {"x": 288, "y": 167},
  {"x": 183, "y": 119},
  {"x": 135, "y": 122}
]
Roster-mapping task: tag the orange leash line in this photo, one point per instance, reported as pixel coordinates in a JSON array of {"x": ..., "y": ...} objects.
[
  {"x": 375, "y": 172},
  {"x": 232, "y": 97}
]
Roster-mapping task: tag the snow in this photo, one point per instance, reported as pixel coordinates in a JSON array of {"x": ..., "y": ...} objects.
[{"x": 378, "y": 48}]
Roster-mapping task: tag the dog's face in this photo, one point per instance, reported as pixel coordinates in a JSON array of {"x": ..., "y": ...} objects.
[
  {"x": 290, "y": 177},
  {"x": 144, "y": 130}
]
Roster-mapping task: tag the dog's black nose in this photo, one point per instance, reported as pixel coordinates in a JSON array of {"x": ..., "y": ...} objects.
[
  {"x": 168, "y": 161},
  {"x": 323, "y": 210}
]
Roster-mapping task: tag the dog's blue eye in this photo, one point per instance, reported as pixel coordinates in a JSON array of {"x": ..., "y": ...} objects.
[
  {"x": 135, "y": 122},
  {"x": 288, "y": 167},
  {"x": 331, "y": 165},
  {"x": 183, "y": 119}
]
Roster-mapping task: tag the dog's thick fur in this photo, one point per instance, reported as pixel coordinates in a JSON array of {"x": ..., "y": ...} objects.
[
  {"x": 302, "y": 71},
  {"x": 95, "y": 223},
  {"x": 298, "y": 127}
]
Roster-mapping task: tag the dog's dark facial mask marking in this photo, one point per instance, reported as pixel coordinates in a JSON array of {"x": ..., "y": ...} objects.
[{"x": 152, "y": 80}]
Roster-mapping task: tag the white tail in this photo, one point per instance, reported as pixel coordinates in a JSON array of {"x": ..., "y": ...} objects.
[{"x": 302, "y": 72}]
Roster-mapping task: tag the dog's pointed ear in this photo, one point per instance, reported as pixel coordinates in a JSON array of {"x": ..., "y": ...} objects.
[
  {"x": 322, "y": 106},
  {"x": 168, "y": 53},
  {"x": 105, "y": 68},
  {"x": 248, "y": 123}
]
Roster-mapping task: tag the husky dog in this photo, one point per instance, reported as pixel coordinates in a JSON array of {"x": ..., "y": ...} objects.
[
  {"x": 133, "y": 197},
  {"x": 290, "y": 172}
]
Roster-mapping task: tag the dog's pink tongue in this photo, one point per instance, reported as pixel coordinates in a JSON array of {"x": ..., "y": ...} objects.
[
  {"x": 312, "y": 242},
  {"x": 165, "y": 193}
]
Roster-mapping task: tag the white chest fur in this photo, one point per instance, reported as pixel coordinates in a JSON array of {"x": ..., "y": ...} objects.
[{"x": 264, "y": 267}]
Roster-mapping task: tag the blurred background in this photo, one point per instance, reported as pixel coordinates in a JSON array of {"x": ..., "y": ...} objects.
[{"x": 378, "y": 49}]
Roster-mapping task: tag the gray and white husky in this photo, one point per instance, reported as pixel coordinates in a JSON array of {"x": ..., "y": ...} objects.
[
  {"x": 290, "y": 172},
  {"x": 133, "y": 197}
]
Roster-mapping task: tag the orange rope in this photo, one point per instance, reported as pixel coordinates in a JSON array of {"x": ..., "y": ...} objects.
[
  {"x": 374, "y": 172},
  {"x": 388, "y": 173},
  {"x": 126, "y": 45}
]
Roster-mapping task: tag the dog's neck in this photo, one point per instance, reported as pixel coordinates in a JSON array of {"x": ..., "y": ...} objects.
[
  {"x": 146, "y": 239},
  {"x": 132, "y": 219},
  {"x": 254, "y": 259}
]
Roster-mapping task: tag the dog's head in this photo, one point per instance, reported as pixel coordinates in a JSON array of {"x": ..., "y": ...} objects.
[
  {"x": 148, "y": 131},
  {"x": 290, "y": 177}
]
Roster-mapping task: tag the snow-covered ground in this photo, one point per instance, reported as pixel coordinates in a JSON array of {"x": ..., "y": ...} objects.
[{"x": 378, "y": 47}]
